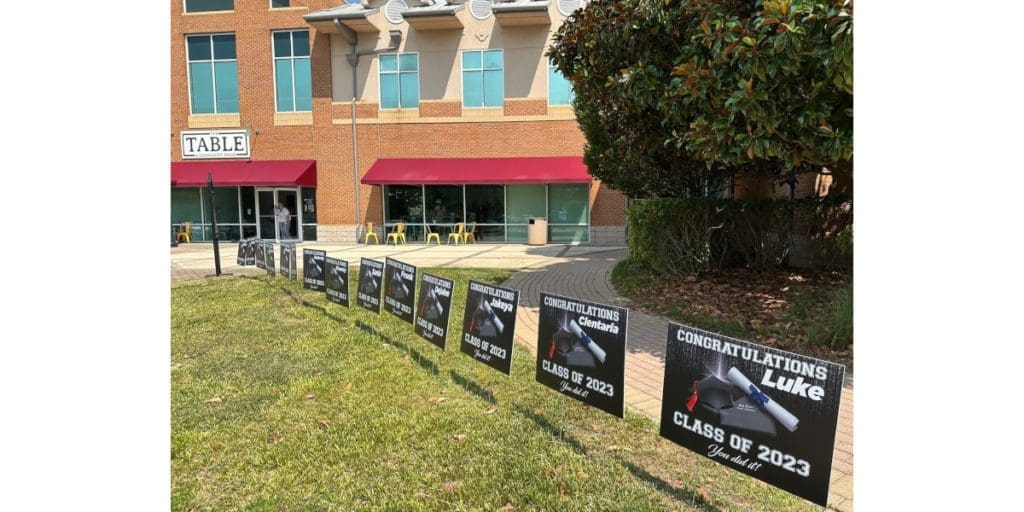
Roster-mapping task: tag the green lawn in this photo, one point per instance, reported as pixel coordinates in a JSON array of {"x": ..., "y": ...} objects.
[{"x": 283, "y": 401}]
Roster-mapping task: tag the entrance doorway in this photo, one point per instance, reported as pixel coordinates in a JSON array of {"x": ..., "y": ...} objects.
[{"x": 266, "y": 200}]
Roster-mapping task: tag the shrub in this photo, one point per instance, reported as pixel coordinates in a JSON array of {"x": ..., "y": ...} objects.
[{"x": 834, "y": 327}]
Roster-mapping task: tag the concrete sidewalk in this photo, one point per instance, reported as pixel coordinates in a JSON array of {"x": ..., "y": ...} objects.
[{"x": 588, "y": 277}]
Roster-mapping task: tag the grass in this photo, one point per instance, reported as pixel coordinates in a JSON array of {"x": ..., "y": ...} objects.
[{"x": 283, "y": 401}]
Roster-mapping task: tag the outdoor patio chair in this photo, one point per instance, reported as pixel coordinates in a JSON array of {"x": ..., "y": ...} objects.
[
  {"x": 370, "y": 232},
  {"x": 432, "y": 235},
  {"x": 185, "y": 232},
  {"x": 470, "y": 234},
  {"x": 397, "y": 234},
  {"x": 460, "y": 229}
]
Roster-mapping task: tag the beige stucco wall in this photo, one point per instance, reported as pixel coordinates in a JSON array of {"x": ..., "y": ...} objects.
[{"x": 440, "y": 57}]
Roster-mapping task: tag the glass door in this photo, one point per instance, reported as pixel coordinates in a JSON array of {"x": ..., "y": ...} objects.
[{"x": 266, "y": 213}]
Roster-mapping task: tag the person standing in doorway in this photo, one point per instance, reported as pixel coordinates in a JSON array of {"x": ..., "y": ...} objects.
[{"x": 283, "y": 217}]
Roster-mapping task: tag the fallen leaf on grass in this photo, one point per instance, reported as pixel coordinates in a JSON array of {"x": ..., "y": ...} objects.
[
  {"x": 582, "y": 474},
  {"x": 615, "y": 448},
  {"x": 508, "y": 506},
  {"x": 458, "y": 437},
  {"x": 309, "y": 396},
  {"x": 450, "y": 486},
  {"x": 274, "y": 439},
  {"x": 215, "y": 400},
  {"x": 348, "y": 387},
  {"x": 492, "y": 409},
  {"x": 436, "y": 399},
  {"x": 704, "y": 494},
  {"x": 539, "y": 410},
  {"x": 596, "y": 427},
  {"x": 324, "y": 423}
]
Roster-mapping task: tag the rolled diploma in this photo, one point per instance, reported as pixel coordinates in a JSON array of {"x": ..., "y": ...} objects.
[
  {"x": 593, "y": 347},
  {"x": 437, "y": 303},
  {"x": 494, "y": 318},
  {"x": 771, "y": 407}
]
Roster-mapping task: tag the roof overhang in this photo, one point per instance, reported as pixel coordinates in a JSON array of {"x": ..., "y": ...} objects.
[
  {"x": 439, "y": 16},
  {"x": 522, "y": 13},
  {"x": 477, "y": 171},
  {"x": 250, "y": 173},
  {"x": 353, "y": 16}
]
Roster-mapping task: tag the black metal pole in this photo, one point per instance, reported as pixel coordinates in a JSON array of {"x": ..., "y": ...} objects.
[{"x": 213, "y": 223}]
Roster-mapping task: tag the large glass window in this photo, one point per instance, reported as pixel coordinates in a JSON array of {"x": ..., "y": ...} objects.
[
  {"x": 293, "y": 85},
  {"x": 209, "y": 5},
  {"x": 483, "y": 78},
  {"x": 568, "y": 213},
  {"x": 485, "y": 205},
  {"x": 213, "y": 73},
  {"x": 444, "y": 204},
  {"x": 227, "y": 204},
  {"x": 559, "y": 88},
  {"x": 524, "y": 202},
  {"x": 404, "y": 203},
  {"x": 186, "y": 206},
  {"x": 399, "y": 80}
]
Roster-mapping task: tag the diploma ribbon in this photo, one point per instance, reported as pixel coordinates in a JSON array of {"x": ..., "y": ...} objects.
[{"x": 757, "y": 396}]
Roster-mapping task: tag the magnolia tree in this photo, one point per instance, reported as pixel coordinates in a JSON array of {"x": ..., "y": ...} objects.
[{"x": 674, "y": 96}]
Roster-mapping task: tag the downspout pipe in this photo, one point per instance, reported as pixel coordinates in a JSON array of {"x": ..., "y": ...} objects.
[{"x": 352, "y": 38}]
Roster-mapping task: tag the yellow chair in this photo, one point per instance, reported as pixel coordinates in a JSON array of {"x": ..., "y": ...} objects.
[
  {"x": 470, "y": 234},
  {"x": 457, "y": 233},
  {"x": 432, "y": 235},
  {"x": 370, "y": 232},
  {"x": 397, "y": 234},
  {"x": 185, "y": 232}
]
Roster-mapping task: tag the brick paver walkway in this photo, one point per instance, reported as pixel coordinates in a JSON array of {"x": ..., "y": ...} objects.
[{"x": 588, "y": 277}]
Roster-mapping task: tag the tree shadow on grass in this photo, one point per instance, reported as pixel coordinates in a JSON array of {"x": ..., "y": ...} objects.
[
  {"x": 552, "y": 429},
  {"x": 679, "y": 493},
  {"x": 472, "y": 387},
  {"x": 417, "y": 356}
]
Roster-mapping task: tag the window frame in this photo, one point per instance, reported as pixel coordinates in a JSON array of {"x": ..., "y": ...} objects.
[
  {"x": 481, "y": 70},
  {"x": 398, "y": 71},
  {"x": 273, "y": 67},
  {"x": 184, "y": 8},
  {"x": 213, "y": 70},
  {"x": 572, "y": 93}
]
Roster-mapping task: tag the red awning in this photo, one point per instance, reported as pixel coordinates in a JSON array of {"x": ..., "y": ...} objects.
[
  {"x": 477, "y": 171},
  {"x": 252, "y": 173}
]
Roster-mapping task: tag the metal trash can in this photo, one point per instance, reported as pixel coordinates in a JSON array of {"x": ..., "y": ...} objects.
[{"x": 537, "y": 232}]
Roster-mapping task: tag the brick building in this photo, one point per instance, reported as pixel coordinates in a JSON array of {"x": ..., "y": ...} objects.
[{"x": 455, "y": 117}]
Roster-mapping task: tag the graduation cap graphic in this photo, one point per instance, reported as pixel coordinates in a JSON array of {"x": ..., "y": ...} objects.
[
  {"x": 312, "y": 268},
  {"x": 430, "y": 305},
  {"x": 368, "y": 285},
  {"x": 572, "y": 346},
  {"x": 730, "y": 407},
  {"x": 398, "y": 288},
  {"x": 337, "y": 278},
  {"x": 484, "y": 322}
]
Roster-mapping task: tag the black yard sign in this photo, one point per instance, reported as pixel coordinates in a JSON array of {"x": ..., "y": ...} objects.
[
  {"x": 268, "y": 258},
  {"x": 765, "y": 412},
  {"x": 250, "y": 252},
  {"x": 399, "y": 288},
  {"x": 434, "y": 308},
  {"x": 288, "y": 264},
  {"x": 259, "y": 256},
  {"x": 313, "y": 270},
  {"x": 240, "y": 260},
  {"x": 337, "y": 281},
  {"x": 370, "y": 274},
  {"x": 581, "y": 351},
  {"x": 489, "y": 324}
]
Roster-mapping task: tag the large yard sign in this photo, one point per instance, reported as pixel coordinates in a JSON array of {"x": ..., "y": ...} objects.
[
  {"x": 434, "y": 308},
  {"x": 370, "y": 274},
  {"x": 240, "y": 260},
  {"x": 765, "y": 412},
  {"x": 288, "y": 265},
  {"x": 399, "y": 288},
  {"x": 581, "y": 351},
  {"x": 250, "y": 252},
  {"x": 337, "y": 281},
  {"x": 489, "y": 324},
  {"x": 313, "y": 269},
  {"x": 268, "y": 258},
  {"x": 259, "y": 254}
]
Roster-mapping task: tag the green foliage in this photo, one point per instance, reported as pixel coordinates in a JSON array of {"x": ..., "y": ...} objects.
[
  {"x": 675, "y": 96},
  {"x": 833, "y": 327},
  {"x": 845, "y": 240},
  {"x": 685, "y": 236}
]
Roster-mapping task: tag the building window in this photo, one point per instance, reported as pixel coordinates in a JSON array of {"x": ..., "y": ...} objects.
[
  {"x": 399, "y": 80},
  {"x": 483, "y": 78},
  {"x": 559, "y": 88},
  {"x": 277, "y": 4},
  {"x": 212, "y": 74},
  {"x": 293, "y": 85},
  {"x": 209, "y": 5}
]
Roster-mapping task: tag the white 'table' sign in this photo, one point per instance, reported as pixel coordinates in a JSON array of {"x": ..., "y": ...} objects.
[{"x": 215, "y": 144}]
